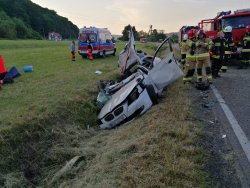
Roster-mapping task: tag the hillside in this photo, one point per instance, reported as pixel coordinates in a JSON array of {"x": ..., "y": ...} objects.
[{"x": 25, "y": 19}]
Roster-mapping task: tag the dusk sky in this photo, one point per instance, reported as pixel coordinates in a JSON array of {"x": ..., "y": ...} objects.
[{"x": 167, "y": 15}]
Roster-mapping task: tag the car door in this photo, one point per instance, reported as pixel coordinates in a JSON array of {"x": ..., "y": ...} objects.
[{"x": 167, "y": 70}]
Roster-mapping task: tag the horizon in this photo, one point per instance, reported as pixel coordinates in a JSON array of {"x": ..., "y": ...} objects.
[{"x": 116, "y": 14}]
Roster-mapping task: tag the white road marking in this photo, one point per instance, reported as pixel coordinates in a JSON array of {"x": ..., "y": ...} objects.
[{"x": 244, "y": 142}]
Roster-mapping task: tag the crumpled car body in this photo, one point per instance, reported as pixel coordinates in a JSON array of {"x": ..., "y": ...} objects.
[
  {"x": 137, "y": 93},
  {"x": 130, "y": 101}
]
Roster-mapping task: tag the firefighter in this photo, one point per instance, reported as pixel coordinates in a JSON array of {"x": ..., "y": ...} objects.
[
  {"x": 245, "y": 53},
  {"x": 218, "y": 52},
  {"x": 203, "y": 45},
  {"x": 183, "y": 49},
  {"x": 228, "y": 48},
  {"x": 190, "y": 57}
]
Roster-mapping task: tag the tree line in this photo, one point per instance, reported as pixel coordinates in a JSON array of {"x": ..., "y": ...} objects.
[
  {"x": 25, "y": 19},
  {"x": 154, "y": 36}
]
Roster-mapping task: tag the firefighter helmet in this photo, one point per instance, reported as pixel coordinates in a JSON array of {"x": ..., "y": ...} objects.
[
  {"x": 192, "y": 33},
  {"x": 185, "y": 37},
  {"x": 201, "y": 33},
  {"x": 228, "y": 29},
  {"x": 248, "y": 29}
]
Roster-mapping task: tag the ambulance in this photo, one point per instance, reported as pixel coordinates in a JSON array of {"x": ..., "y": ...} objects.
[{"x": 99, "y": 38}]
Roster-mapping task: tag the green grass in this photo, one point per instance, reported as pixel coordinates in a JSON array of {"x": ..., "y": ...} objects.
[
  {"x": 44, "y": 117},
  {"x": 55, "y": 79}
]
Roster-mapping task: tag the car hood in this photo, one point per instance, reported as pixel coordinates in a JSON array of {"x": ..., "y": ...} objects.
[{"x": 119, "y": 97}]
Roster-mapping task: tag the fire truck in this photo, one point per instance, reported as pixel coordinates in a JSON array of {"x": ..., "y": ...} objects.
[{"x": 239, "y": 19}]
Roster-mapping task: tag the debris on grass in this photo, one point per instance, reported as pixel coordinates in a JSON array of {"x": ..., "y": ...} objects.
[{"x": 98, "y": 72}]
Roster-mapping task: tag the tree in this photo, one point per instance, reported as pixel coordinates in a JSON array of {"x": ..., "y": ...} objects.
[
  {"x": 142, "y": 33},
  {"x": 24, "y": 19},
  {"x": 175, "y": 38},
  {"x": 7, "y": 27},
  {"x": 156, "y": 35},
  {"x": 126, "y": 30}
]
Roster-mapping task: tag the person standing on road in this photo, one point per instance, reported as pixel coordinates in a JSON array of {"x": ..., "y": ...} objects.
[
  {"x": 245, "y": 53},
  {"x": 190, "y": 57},
  {"x": 203, "y": 45},
  {"x": 183, "y": 49},
  {"x": 72, "y": 50},
  {"x": 218, "y": 52},
  {"x": 228, "y": 48}
]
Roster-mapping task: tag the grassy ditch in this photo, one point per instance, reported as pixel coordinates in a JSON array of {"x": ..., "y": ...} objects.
[{"x": 48, "y": 119}]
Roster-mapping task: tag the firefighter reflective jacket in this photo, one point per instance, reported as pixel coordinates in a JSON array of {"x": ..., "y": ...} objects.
[
  {"x": 246, "y": 43},
  {"x": 202, "y": 47},
  {"x": 190, "y": 49},
  {"x": 219, "y": 47},
  {"x": 229, "y": 48},
  {"x": 183, "y": 47}
]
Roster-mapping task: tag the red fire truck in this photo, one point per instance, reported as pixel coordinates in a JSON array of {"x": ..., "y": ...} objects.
[{"x": 238, "y": 20}]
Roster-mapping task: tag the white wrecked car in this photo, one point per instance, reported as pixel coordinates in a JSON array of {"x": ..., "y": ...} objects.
[{"x": 138, "y": 92}]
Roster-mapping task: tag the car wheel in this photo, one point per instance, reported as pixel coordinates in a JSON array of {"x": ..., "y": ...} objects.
[
  {"x": 100, "y": 54},
  {"x": 152, "y": 94}
]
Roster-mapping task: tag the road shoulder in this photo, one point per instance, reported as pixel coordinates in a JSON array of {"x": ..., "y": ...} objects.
[{"x": 221, "y": 161}]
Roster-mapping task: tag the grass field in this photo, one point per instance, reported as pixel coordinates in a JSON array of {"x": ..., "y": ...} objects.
[{"x": 44, "y": 117}]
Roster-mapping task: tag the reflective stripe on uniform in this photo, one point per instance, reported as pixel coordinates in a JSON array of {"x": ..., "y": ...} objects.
[
  {"x": 244, "y": 61},
  {"x": 209, "y": 77},
  {"x": 216, "y": 57},
  {"x": 247, "y": 38},
  {"x": 217, "y": 44},
  {"x": 187, "y": 78},
  {"x": 202, "y": 55},
  {"x": 245, "y": 50},
  {"x": 228, "y": 52},
  {"x": 191, "y": 57},
  {"x": 224, "y": 67}
]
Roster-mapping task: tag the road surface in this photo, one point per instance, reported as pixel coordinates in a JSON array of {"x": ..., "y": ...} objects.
[{"x": 234, "y": 88}]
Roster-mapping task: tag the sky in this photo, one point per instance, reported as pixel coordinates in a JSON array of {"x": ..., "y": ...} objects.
[{"x": 167, "y": 15}]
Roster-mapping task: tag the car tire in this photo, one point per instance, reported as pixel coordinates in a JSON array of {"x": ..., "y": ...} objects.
[
  {"x": 101, "y": 54},
  {"x": 152, "y": 94}
]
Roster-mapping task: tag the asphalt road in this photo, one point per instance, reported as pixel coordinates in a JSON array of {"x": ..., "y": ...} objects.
[{"x": 234, "y": 87}]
